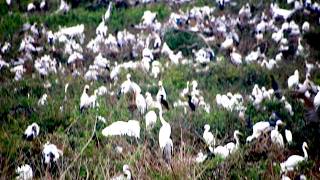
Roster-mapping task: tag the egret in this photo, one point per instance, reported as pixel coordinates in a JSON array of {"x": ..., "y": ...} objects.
[
  {"x": 118, "y": 128},
  {"x": 293, "y": 79},
  {"x": 25, "y": 172},
  {"x": 165, "y": 141},
  {"x": 151, "y": 119},
  {"x": 126, "y": 174},
  {"x": 288, "y": 135},
  {"x": 32, "y": 131},
  {"x": 141, "y": 103},
  {"x": 201, "y": 157},
  {"x": 208, "y": 137},
  {"x": 161, "y": 91},
  {"x": 231, "y": 146},
  {"x": 294, "y": 160},
  {"x": 276, "y": 136},
  {"x": 51, "y": 153}
]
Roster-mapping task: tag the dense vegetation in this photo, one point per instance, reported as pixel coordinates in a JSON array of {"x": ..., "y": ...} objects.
[{"x": 70, "y": 130}]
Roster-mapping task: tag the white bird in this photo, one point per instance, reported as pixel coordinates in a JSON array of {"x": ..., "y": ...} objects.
[
  {"x": 165, "y": 142},
  {"x": 293, "y": 79},
  {"x": 8, "y": 2},
  {"x": 108, "y": 12},
  {"x": 51, "y": 153},
  {"x": 42, "y": 4},
  {"x": 25, "y": 172},
  {"x": 316, "y": 100},
  {"x": 227, "y": 43},
  {"x": 31, "y": 7},
  {"x": 161, "y": 91},
  {"x": 84, "y": 99},
  {"x": 208, "y": 137},
  {"x": 201, "y": 157},
  {"x": 276, "y": 136},
  {"x": 42, "y": 101},
  {"x": 64, "y": 7},
  {"x": 288, "y": 135},
  {"x": 119, "y": 128},
  {"x": 151, "y": 119},
  {"x": 236, "y": 58},
  {"x": 221, "y": 151},
  {"x": 32, "y": 131},
  {"x": 258, "y": 128},
  {"x": 305, "y": 27},
  {"x": 126, "y": 174},
  {"x": 294, "y": 160},
  {"x": 141, "y": 103},
  {"x": 231, "y": 146}
]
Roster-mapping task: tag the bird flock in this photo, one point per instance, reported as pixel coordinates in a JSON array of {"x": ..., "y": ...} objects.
[{"x": 92, "y": 58}]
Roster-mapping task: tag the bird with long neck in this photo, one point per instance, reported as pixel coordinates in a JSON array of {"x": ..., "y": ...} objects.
[
  {"x": 165, "y": 142},
  {"x": 294, "y": 160}
]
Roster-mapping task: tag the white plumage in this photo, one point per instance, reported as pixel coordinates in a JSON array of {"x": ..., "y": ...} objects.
[
  {"x": 288, "y": 135},
  {"x": 119, "y": 128},
  {"x": 161, "y": 91},
  {"x": 294, "y": 160},
  {"x": 276, "y": 136},
  {"x": 32, "y": 131},
  {"x": 42, "y": 100},
  {"x": 201, "y": 157},
  {"x": 208, "y": 136},
  {"x": 141, "y": 103},
  {"x": 25, "y": 172},
  {"x": 316, "y": 100},
  {"x": 293, "y": 79},
  {"x": 165, "y": 142},
  {"x": 51, "y": 153},
  {"x": 126, "y": 174},
  {"x": 151, "y": 119},
  {"x": 108, "y": 12}
]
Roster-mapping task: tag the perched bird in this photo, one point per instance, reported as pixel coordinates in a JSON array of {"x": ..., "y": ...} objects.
[
  {"x": 51, "y": 153},
  {"x": 25, "y": 172},
  {"x": 293, "y": 79},
  {"x": 151, "y": 119},
  {"x": 32, "y": 131},
  {"x": 165, "y": 142},
  {"x": 84, "y": 98},
  {"x": 191, "y": 104},
  {"x": 288, "y": 135},
  {"x": 208, "y": 137},
  {"x": 119, "y": 128},
  {"x": 294, "y": 160},
  {"x": 161, "y": 91},
  {"x": 231, "y": 146},
  {"x": 276, "y": 136},
  {"x": 126, "y": 174},
  {"x": 164, "y": 102}
]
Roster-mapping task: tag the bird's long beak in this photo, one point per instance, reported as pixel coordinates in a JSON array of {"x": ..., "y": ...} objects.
[
  {"x": 240, "y": 134},
  {"x": 307, "y": 147}
]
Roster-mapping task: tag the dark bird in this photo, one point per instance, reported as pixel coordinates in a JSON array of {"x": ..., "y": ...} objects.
[
  {"x": 164, "y": 102},
  {"x": 191, "y": 104},
  {"x": 276, "y": 88}
]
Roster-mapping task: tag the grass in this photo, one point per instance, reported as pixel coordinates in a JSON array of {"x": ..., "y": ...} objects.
[{"x": 70, "y": 130}]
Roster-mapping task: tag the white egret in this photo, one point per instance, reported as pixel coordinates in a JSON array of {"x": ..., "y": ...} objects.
[{"x": 294, "y": 160}]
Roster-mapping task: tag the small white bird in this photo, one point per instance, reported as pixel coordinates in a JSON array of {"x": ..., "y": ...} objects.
[
  {"x": 25, "y": 172},
  {"x": 294, "y": 160},
  {"x": 126, "y": 174},
  {"x": 141, "y": 103},
  {"x": 51, "y": 153},
  {"x": 84, "y": 98},
  {"x": 201, "y": 157},
  {"x": 288, "y": 135},
  {"x": 151, "y": 119},
  {"x": 293, "y": 79},
  {"x": 236, "y": 58},
  {"x": 316, "y": 100},
  {"x": 221, "y": 151},
  {"x": 42, "y": 101},
  {"x": 276, "y": 136},
  {"x": 231, "y": 146},
  {"x": 161, "y": 91},
  {"x": 32, "y": 131},
  {"x": 208, "y": 137}
]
